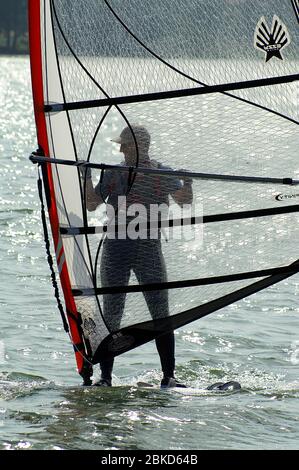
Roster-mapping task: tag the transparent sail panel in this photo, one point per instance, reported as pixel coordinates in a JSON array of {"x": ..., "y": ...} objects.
[{"x": 233, "y": 208}]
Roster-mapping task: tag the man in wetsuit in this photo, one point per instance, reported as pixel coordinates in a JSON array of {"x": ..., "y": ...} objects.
[{"x": 142, "y": 256}]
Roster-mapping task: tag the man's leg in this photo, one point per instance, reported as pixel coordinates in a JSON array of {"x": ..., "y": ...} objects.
[
  {"x": 153, "y": 269},
  {"x": 115, "y": 270},
  {"x": 166, "y": 348},
  {"x": 106, "y": 367}
]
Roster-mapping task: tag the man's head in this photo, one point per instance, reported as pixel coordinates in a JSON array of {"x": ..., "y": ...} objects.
[{"x": 129, "y": 138}]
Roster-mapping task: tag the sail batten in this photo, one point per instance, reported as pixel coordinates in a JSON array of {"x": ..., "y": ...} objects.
[{"x": 57, "y": 107}]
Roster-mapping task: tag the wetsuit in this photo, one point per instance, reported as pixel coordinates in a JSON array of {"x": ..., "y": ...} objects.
[{"x": 144, "y": 257}]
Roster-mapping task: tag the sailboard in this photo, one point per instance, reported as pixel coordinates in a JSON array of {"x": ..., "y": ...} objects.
[
  {"x": 222, "y": 387},
  {"x": 215, "y": 85}
]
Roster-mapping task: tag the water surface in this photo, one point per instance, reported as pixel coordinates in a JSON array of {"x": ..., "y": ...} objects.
[{"x": 42, "y": 403}]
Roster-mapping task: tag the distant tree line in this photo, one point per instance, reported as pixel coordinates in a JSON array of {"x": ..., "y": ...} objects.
[{"x": 13, "y": 27}]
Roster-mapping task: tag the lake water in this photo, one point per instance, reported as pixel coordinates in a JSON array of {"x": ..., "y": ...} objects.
[{"x": 42, "y": 403}]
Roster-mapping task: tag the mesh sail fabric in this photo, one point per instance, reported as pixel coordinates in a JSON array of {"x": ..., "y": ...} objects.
[
  {"x": 170, "y": 38},
  {"x": 104, "y": 49}
]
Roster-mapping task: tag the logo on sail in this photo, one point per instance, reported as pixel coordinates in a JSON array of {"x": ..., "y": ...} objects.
[
  {"x": 120, "y": 342},
  {"x": 286, "y": 197},
  {"x": 271, "y": 41}
]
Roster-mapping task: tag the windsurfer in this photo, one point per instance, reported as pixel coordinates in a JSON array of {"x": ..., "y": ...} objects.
[{"x": 142, "y": 256}]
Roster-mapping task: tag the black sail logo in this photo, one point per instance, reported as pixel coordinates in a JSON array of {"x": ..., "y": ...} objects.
[
  {"x": 271, "y": 41},
  {"x": 286, "y": 197}
]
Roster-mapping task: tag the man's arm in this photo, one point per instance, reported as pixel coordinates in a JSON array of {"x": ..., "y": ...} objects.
[
  {"x": 184, "y": 195},
  {"x": 93, "y": 200}
]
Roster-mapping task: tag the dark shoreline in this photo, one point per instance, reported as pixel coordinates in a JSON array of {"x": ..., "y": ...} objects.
[{"x": 6, "y": 52}]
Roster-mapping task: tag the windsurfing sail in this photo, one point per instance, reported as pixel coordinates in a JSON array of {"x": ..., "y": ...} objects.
[{"x": 215, "y": 86}]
